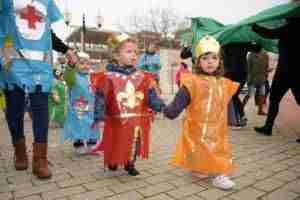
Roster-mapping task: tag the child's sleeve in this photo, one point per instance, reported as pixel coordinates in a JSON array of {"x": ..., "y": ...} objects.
[
  {"x": 100, "y": 86},
  {"x": 99, "y": 108},
  {"x": 155, "y": 103},
  {"x": 179, "y": 103}
]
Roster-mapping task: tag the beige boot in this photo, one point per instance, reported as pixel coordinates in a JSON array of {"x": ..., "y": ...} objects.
[
  {"x": 40, "y": 162},
  {"x": 21, "y": 159}
]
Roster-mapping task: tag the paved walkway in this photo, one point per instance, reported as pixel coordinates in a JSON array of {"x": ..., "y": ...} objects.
[{"x": 269, "y": 169}]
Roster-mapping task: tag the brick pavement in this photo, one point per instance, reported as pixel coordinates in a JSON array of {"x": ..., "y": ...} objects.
[{"x": 269, "y": 169}]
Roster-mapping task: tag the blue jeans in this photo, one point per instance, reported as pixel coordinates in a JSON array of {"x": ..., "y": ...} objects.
[{"x": 15, "y": 110}]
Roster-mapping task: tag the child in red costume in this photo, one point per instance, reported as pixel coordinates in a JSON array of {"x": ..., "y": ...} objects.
[{"x": 123, "y": 97}]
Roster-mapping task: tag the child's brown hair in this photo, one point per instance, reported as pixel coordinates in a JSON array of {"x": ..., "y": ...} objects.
[{"x": 197, "y": 69}]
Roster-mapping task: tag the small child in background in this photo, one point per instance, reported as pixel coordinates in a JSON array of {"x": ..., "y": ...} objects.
[
  {"x": 78, "y": 125},
  {"x": 57, "y": 99},
  {"x": 182, "y": 68}
]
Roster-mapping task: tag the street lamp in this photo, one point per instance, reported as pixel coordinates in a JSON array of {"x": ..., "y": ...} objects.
[
  {"x": 67, "y": 17},
  {"x": 68, "y": 21},
  {"x": 99, "y": 20}
]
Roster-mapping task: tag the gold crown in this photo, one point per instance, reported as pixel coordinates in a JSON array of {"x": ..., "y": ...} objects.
[
  {"x": 116, "y": 40},
  {"x": 8, "y": 41},
  {"x": 207, "y": 44}
]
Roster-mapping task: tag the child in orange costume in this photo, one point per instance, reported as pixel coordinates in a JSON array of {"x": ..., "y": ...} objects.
[{"x": 203, "y": 145}]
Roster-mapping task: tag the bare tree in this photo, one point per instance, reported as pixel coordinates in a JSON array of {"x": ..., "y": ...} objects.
[{"x": 159, "y": 20}]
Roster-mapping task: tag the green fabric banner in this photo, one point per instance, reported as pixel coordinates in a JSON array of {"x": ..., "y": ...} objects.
[{"x": 241, "y": 32}]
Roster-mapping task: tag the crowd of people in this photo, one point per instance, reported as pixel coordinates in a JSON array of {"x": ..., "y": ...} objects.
[{"x": 122, "y": 99}]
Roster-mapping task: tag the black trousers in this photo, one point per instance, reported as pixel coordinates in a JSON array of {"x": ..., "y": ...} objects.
[
  {"x": 282, "y": 82},
  {"x": 15, "y": 110}
]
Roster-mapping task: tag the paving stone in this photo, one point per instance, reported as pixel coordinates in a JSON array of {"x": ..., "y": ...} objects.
[
  {"x": 295, "y": 168},
  {"x": 268, "y": 184},
  {"x": 19, "y": 179},
  {"x": 193, "y": 197},
  {"x": 6, "y": 196},
  {"x": 260, "y": 174},
  {"x": 17, "y": 187},
  {"x": 93, "y": 195},
  {"x": 293, "y": 186},
  {"x": 143, "y": 174},
  {"x": 34, "y": 197},
  {"x": 243, "y": 181},
  {"x": 35, "y": 190},
  {"x": 119, "y": 188},
  {"x": 268, "y": 169},
  {"x": 102, "y": 183},
  {"x": 155, "y": 189},
  {"x": 132, "y": 195},
  {"x": 277, "y": 167},
  {"x": 247, "y": 194},
  {"x": 54, "y": 178},
  {"x": 160, "y": 197},
  {"x": 280, "y": 195},
  {"x": 286, "y": 176},
  {"x": 184, "y": 181},
  {"x": 160, "y": 178},
  {"x": 63, "y": 193},
  {"x": 186, "y": 190},
  {"x": 214, "y": 194},
  {"x": 76, "y": 181}
]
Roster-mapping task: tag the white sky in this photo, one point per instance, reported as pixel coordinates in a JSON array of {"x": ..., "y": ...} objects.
[{"x": 226, "y": 11}]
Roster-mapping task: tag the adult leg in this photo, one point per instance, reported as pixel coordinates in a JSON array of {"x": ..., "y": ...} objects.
[
  {"x": 238, "y": 105},
  {"x": 251, "y": 93},
  {"x": 40, "y": 121},
  {"x": 15, "y": 102},
  {"x": 261, "y": 98},
  {"x": 296, "y": 92},
  {"x": 280, "y": 86}
]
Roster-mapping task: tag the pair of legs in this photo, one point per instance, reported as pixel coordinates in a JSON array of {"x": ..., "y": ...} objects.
[
  {"x": 282, "y": 82},
  {"x": 130, "y": 165},
  {"x": 257, "y": 89},
  {"x": 15, "y": 119},
  {"x": 238, "y": 107},
  {"x": 83, "y": 147}
]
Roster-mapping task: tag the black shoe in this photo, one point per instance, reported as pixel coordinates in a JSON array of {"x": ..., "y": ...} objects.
[
  {"x": 132, "y": 171},
  {"x": 113, "y": 167},
  {"x": 243, "y": 122},
  {"x": 264, "y": 130},
  {"x": 298, "y": 140},
  {"x": 78, "y": 143},
  {"x": 92, "y": 142}
]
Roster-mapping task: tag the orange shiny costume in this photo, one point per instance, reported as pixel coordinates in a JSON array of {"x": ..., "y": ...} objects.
[{"x": 203, "y": 145}]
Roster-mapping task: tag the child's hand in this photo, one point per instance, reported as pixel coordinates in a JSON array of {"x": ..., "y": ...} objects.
[
  {"x": 97, "y": 125},
  {"x": 154, "y": 85}
]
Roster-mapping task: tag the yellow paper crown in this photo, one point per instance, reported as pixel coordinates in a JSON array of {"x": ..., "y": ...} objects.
[
  {"x": 116, "y": 40},
  {"x": 8, "y": 41},
  {"x": 207, "y": 44}
]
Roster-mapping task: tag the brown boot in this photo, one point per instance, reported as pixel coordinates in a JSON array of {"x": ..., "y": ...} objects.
[
  {"x": 40, "y": 162},
  {"x": 21, "y": 159}
]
